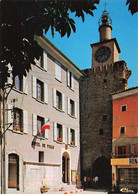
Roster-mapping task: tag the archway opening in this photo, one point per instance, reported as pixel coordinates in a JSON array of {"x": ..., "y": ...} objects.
[
  {"x": 102, "y": 169},
  {"x": 65, "y": 168}
]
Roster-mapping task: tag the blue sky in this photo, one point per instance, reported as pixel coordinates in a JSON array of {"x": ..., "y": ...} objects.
[{"x": 125, "y": 29}]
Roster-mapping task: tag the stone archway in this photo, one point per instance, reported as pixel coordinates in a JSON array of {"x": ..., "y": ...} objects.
[
  {"x": 102, "y": 168},
  {"x": 65, "y": 168}
]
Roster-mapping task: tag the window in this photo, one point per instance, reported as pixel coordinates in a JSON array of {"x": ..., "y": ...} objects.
[
  {"x": 72, "y": 137},
  {"x": 58, "y": 71},
  {"x": 72, "y": 108},
  {"x": 18, "y": 83},
  {"x": 59, "y": 133},
  {"x": 101, "y": 132},
  {"x": 122, "y": 151},
  {"x": 123, "y": 108},
  {"x": 42, "y": 62},
  {"x": 104, "y": 118},
  {"x": 41, "y": 156},
  {"x": 40, "y": 90},
  {"x": 58, "y": 100},
  {"x": 40, "y": 123},
  {"x": 70, "y": 79},
  {"x": 18, "y": 119},
  {"x": 13, "y": 171},
  {"x": 122, "y": 130}
]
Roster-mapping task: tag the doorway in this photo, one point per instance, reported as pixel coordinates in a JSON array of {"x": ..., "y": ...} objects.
[{"x": 65, "y": 168}]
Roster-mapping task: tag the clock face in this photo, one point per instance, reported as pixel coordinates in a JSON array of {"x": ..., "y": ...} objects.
[{"x": 102, "y": 54}]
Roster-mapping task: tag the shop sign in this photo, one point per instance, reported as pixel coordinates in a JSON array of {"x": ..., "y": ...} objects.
[{"x": 133, "y": 161}]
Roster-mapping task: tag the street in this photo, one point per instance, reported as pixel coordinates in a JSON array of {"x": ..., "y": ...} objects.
[{"x": 88, "y": 191}]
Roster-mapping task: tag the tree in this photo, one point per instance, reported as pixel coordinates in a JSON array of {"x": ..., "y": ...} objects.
[
  {"x": 21, "y": 20},
  {"x": 133, "y": 6}
]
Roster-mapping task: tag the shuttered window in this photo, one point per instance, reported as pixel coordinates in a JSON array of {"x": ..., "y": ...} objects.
[{"x": 57, "y": 70}]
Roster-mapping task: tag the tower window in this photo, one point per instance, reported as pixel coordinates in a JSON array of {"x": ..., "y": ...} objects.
[
  {"x": 104, "y": 117},
  {"x": 101, "y": 132},
  {"x": 122, "y": 130},
  {"x": 123, "y": 108}
]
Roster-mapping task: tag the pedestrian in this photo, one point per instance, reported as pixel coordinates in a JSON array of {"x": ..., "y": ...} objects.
[
  {"x": 96, "y": 181},
  {"x": 89, "y": 179},
  {"x": 84, "y": 182}
]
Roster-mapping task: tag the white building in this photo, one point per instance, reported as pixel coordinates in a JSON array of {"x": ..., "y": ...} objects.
[{"x": 49, "y": 92}]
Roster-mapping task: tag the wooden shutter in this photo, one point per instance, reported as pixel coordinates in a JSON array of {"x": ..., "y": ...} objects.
[
  {"x": 72, "y": 81},
  {"x": 25, "y": 121},
  {"x": 34, "y": 124},
  {"x": 55, "y": 131},
  {"x": 45, "y": 93},
  {"x": 116, "y": 151},
  {"x": 63, "y": 102},
  {"x": 127, "y": 150},
  {"x": 47, "y": 130},
  {"x": 76, "y": 138},
  {"x": 34, "y": 86},
  {"x": 54, "y": 97},
  {"x": 136, "y": 149},
  {"x": 10, "y": 115},
  {"x": 25, "y": 85},
  {"x": 45, "y": 60},
  {"x": 68, "y": 105},
  {"x": 68, "y": 135},
  {"x": 63, "y": 134},
  {"x": 76, "y": 109},
  {"x": 58, "y": 70}
]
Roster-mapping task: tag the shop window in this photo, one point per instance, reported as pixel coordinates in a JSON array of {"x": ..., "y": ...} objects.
[
  {"x": 123, "y": 108},
  {"x": 41, "y": 156},
  {"x": 13, "y": 171}
]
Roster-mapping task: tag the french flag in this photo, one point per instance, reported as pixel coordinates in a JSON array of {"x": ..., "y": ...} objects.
[{"x": 46, "y": 126}]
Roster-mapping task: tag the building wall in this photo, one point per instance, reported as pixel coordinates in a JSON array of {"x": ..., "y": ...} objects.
[{"x": 27, "y": 145}]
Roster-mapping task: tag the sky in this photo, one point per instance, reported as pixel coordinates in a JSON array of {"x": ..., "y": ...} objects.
[{"x": 125, "y": 29}]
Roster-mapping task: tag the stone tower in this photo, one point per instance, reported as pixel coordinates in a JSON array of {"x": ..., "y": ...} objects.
[{"x": 107, "y": 75}]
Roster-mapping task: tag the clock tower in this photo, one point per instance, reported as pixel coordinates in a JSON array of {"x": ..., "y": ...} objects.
[
  {"x": 107, "y": 75},
  {"x": 107, "y": 50}
]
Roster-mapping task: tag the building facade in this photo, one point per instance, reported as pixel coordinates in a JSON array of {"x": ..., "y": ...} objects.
[
  {"x": 125, "y": 139},
  {"x": 107, "y": 75},
  {"x": 48, "y": 95}
]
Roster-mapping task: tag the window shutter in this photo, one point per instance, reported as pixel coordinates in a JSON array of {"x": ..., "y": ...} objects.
[
  {"x": 25, "y": 85},
  {"x": 55, "y": 131},
  {"x": 45, "y": 93},
  {"x": 46, "y": 131},
  {"x": 76, "y": 137},
  {"x": 68, "y": 135},
  {"x": 34, "y": 124},
  {"x": 34, "y": 86},
  {"x": 45, "y": 60},
  {"x": 76, "y": 109},
  {"x": 136, "y": 149},
  {"x": 64, "y": 133},
  {"x": 10, "y": 80},
  {"x": 116, "y": 151},
  {"x": 63, "y": 102},
  {"x": 68, "y": 105},
  {"x": 72, "y": 77},
  {"x": 58, "y": 70},
  {"x": 68, "y": 78},
  {"x": 54, "y": 97},
  {"x": 10, "y": 115},
  {"x": 25, "y": 121}
]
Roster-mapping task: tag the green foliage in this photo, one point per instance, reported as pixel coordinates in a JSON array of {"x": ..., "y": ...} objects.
[
  {"x": 133, "y": 6},
  {"x": 21, "y": 20}
]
